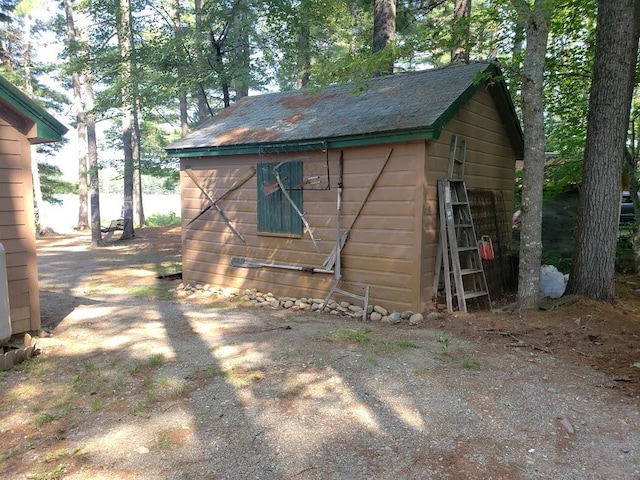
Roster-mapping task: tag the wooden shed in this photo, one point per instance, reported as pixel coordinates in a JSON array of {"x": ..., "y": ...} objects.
[
  {"x": 360, "y": 162},
  {"x": 23, "y": 123}
]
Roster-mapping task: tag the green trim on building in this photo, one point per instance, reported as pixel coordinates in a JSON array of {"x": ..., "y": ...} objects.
[
  {"x": 306, "y": 145},
  {"x": 48, "y": 129}
]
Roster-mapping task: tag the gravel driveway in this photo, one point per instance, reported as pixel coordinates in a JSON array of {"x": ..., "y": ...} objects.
[{"x": 135, "y": 383}]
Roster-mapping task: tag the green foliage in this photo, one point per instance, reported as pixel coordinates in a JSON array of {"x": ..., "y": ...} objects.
[
  {"x": 560, "y": 260},
  {"x": 569, "y": 66},
  {"x": 624, "y": 252},
  {"x": 162, "y": 220},
  {"x": 561, "y": 176},
  {"x": 52, "y": 184},
  {"x": 445, "y": 342}
]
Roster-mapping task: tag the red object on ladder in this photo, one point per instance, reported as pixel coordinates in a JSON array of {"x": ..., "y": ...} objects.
[{"x": 485, "y": 247}]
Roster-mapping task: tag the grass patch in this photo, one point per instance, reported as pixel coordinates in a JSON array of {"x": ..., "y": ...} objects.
[
  {"x": 205, "y": 374},
  {"x": 61, "y": 454},
  {"x": 154, "y": 361},
  {"x": 4, "y": 456},
  {"x": 180, "y": 389},
  {"x": 158, "y": 292},
  {"x": 445, "y": 342},
  {"x": 470, "y": 363},
  {"x": 359, "y": 336},
  {"x": 140, "y": 409},
  {"x": 35, "y": 367},
  {"x": 97, "y": 403},
  {"x": 240, "y": 379},
  {"x": 163, "y": 441},
  {"x": 56, "y": 473},
  {"x": 168, "y": 267},
  {"x": 292, "y": 391},
  {"x": 45, "y": 417},
  {"x": 373, "y": 347},
  {"x": 397, "y": 346}
]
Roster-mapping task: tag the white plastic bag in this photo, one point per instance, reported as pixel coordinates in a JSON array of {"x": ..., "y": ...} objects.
[{"x": 552, "y": 282}]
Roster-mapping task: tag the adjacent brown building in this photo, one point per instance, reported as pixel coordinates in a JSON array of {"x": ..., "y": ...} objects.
[
  {"x": 23, "y": 123},
  {"x": 360, "y": 162}
]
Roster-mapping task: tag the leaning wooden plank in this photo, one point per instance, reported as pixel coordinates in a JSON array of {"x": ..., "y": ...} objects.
[
  {"x": 443, "y": 249},
  {"x": 214, "y": 203},
  {"x": 248, "y": 263},
  {"x": 331, "y": 259},
  {"x": 244, "y": 179},
  {"x": 295, "y": 207},
  {"x": 551, "y": 303}
]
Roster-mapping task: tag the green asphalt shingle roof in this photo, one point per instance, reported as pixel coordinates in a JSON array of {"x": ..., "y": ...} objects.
[
  {"x": 394, "y": 107},
  {"x": 48, "y": 129}
]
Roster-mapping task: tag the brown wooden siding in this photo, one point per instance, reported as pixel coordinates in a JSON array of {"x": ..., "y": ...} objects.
[
  {"x": 490, "y": 164},
  {"x": 17, "y": 228},
  {"x": 380, "y": 252}
]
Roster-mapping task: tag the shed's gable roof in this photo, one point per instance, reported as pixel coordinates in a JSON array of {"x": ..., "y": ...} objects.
[
  {"x": 377, "y": 110},
  {"x": 24, "y": 113}
]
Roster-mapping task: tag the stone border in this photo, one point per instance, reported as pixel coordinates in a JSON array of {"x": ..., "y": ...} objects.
[
  {"x": 317, "y": 305},
  {"x": 11, "y": 356}
]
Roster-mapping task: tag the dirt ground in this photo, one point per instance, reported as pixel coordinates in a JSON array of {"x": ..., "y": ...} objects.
[
  {"x": 135, "y": 383},
  {"x": 602, "y": 335}
]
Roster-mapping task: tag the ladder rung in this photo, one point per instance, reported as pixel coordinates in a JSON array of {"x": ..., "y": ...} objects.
[
  {"x": 463, "y": 225},
  {"x": 467, "y": 249},
  {"x": 470, "y": 271},
  {"x": 474, "y": 294}
]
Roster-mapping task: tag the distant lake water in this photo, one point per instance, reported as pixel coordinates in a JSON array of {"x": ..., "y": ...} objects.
[{"x": 63, "y": 218}]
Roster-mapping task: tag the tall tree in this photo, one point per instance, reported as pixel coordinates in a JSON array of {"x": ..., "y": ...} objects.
[
  {"x": 92, "y": 161},
  {"x": 24, "y": 10},
  {"x": 179, "y": 45},
  {"x": 535, "y": 19},
  {"x": 461, "y": 30},
  {"x": 593, "y": 269},
  {"x": 6, "y": 10},
  {"x": 384, "y": 30},
  {"x": 204, "y": 110},
  {"x": 125, "y": 42},
  {"x": 136, "y": 152},
  {"x": 81, "y": 130}
]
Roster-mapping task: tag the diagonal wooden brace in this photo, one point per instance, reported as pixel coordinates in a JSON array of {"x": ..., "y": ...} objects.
[{"x": 214, "y": 202}]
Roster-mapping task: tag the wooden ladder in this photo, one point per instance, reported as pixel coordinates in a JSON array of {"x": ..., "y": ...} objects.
[{"x": 458, "y": 244}]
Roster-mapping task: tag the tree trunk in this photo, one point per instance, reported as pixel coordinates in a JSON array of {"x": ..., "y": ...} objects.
[
  {"x": 537, "y": 32},
  {"x": 137, "y": 166},
  {"x": 83, "y": 217},
  {"x": 28, "y": 84},
  {"x": 218, "y": 55},
  {"x": 460, "y": 34},
  {"x": 242, "y": 73},
  {"x": 89, "y": 120},
  {"x": 182, "y": 96},
  {"x": 304, "y": 55},
  {"x": 94, "y": 169},
  {"x": 384, "y": 28},
  {"x": 204, "y": 111},
  {"x": 593, "y": 268},
  {"x": 126, "y": 47}
]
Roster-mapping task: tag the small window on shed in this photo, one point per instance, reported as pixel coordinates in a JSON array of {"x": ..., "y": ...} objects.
[{"x": 275, "y": 213}]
